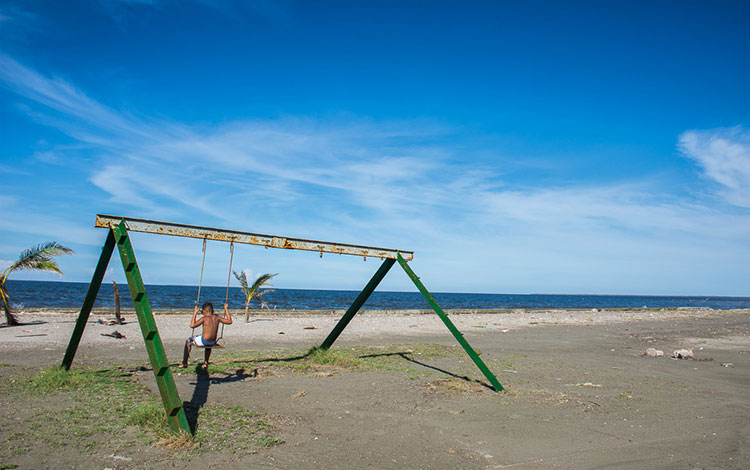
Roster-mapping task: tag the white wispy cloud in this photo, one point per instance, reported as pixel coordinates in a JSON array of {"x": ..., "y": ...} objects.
[
  {"x": 359, "y": 180},
  {"x": 724, "y": 157},
  {"x": 74, "y": 107}
]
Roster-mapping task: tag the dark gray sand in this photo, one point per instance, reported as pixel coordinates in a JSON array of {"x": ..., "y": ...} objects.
[{"x": 580, "y": 394}]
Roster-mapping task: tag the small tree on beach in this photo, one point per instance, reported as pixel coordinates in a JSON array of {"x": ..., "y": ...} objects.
[
  {"x": 253, "y": 292},
  {"x": 36, "y": 258}
]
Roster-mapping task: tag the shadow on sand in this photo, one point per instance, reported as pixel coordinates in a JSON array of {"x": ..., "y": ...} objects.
[
  {"x": 26, "y": 323},
  {"x": 406, "y": 357},
  {"x": 200, "y": 392}
]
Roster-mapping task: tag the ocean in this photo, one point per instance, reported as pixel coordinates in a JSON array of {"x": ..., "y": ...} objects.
[{"x": 50, "y": 294}]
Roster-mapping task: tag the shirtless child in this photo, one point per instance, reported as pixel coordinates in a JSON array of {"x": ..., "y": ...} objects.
[{"x": 210, "y": 324}]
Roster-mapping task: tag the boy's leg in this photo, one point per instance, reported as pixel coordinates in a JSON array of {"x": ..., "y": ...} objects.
[
  {"x": 207, "y": 354},
  {"x": 186, "y": 354}
]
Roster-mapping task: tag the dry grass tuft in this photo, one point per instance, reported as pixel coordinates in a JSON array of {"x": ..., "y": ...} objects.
[
  {"x": 455, "y": 386},
  {"x": 181, "y": 441}
]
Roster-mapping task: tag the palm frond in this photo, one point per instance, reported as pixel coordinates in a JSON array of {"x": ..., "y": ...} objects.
[
  {"x": 39, "y": 258},
  {"x": 263, "y": 292},
  {"x": 242, "y": 278},
  {"x": 261, "y": 281}
]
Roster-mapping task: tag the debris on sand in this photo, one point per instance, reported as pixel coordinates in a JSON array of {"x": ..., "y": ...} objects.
[
  {"x": 299, "y": 394},
  {"x": 653, "y": 352},
  {"x": 683, "y": 354},
  {"x": 115, "y": 334}
]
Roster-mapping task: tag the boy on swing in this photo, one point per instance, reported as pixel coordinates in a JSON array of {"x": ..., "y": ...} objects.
[{"x": 210, "y": 324}]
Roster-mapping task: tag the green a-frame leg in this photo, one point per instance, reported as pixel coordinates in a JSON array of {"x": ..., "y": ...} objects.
[
  {"x": 119, "y": 236},
  {"x": 370, "y": 287}
]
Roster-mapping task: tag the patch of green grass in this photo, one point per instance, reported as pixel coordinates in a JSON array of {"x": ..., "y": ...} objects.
[
  {"x": 268, "y": 441},
  {"x": 335, "y": 358},
  {"x": 231, "y": 427},
  {"x": 79, "y": 426},
  {"x": 89, "y": 411},
  {"x": 149, "y": 416},
  {"x": 55, "y": 379}
]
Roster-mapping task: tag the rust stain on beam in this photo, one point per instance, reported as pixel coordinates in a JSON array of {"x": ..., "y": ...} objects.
[{"x": 269, "y": 241}]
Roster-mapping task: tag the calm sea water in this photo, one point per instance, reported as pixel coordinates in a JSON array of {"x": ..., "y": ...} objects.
[{"x": 36, "y": 294}]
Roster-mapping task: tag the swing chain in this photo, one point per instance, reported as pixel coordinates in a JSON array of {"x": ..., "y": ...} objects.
[
  {"x": 229, "y": 279},
  {"x": 200, "y": 282}
]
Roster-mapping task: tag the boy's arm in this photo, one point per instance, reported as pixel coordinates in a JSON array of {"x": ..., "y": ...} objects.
[
  {"x": 227, "y": 319},
  {"x": 193, "y": 322}
]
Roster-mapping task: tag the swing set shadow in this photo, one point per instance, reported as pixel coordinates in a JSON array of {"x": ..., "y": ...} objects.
[
  {"x": 118, "y": 235},
  {"x": 204, "y": 380},
  {"x": 405, "y": 356},
  {"x": 202, "y": 384}
]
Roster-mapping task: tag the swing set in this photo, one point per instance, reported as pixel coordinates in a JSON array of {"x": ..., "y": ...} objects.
[{"x": 118, "y": 229}]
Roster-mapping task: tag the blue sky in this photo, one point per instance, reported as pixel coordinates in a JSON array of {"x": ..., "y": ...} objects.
[{"x": 516, "y": 147}]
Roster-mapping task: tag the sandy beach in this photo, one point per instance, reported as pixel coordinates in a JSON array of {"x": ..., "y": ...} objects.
[
  {"x": 50, "y": 328},
  {"x": 581, "y": 393}
]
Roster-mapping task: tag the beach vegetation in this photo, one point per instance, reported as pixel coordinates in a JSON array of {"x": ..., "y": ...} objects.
[
  {"x": 254, "y": 291},
  {"x": 37, "y": 258},
  {"x": 95, "y": 410}
]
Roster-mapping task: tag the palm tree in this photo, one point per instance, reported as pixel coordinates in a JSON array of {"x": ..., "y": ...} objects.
[
  {"x": 36, "y": 258},
  {"x": 254, "y": 292}
]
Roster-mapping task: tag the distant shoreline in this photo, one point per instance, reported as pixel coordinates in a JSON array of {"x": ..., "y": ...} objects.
[
  {"x": 407, "y": 291},
  {"x": 108, "y": 311}
]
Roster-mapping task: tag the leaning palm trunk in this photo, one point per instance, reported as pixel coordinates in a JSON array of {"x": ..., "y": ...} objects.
[
  {"x": 10, "y": 319},
  {"x": 36, "y": 258}
]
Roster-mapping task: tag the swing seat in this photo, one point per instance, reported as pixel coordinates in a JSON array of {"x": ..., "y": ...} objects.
[{"x": 220, "y": 344}]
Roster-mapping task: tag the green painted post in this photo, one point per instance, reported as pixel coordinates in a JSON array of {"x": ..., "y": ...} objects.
[
  {"x": 358, "y": 302},
  {"x": 88, "y": 302},
  {"x": 156, "y": 353},
  {"x": 457, "y": 334}
]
